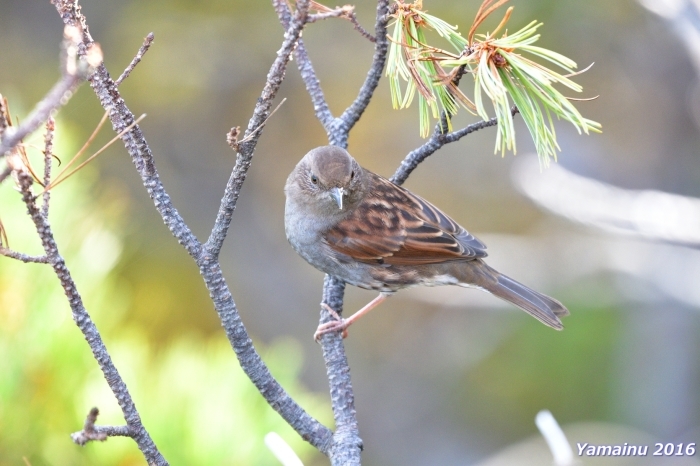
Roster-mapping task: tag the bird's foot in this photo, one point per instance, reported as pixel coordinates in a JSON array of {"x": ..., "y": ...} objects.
[{"x": 337, "y": 325}]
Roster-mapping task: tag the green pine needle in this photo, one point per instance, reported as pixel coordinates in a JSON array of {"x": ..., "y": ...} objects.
[{"x": 500, "y": 72}]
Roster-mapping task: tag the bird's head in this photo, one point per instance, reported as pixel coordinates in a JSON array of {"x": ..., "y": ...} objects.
[{"x": 327, "y": 179}]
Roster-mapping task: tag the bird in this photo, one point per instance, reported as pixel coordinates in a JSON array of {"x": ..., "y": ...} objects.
[{"x": 360, "y": 227}]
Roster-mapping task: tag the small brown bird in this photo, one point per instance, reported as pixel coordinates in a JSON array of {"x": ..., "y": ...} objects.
[{"x": 351, "y": 223}]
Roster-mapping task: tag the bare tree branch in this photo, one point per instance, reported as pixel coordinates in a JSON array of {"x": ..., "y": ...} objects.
[
  {"x": 307, "y": 427},
  {"x": 338, "y": 129},
  {"x": 84, "y": 322},
  {"x": 141, "y": 156},
  {"x": 207, "y": 257},
  {"x": 436, "y": 141},
  {"x": 347, "y": 443},
  {"x": 135, "y": 61},
  {"x": 346, "y": 440}
]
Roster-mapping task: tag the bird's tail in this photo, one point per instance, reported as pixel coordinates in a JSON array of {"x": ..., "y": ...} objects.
[{"x": 543, "y": 308}]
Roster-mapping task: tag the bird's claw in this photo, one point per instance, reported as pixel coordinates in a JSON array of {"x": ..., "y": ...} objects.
[{"x": 337, "y": 325}]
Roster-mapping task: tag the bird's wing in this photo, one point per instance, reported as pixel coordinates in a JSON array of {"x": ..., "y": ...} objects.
[{"x": 394, "y": 226}]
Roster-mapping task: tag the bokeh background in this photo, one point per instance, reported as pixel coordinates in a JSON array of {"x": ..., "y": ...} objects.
[{"x": 441, "y": 376}]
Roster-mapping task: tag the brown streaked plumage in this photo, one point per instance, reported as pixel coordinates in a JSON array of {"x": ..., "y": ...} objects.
[
  {"x": 351, "y": 223},
  {"x": 393, "y": 226}
]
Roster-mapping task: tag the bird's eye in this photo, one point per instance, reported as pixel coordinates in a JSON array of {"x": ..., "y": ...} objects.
[
  {"x": 352, "y": 174},
  {"x": 314, "y": 179}
]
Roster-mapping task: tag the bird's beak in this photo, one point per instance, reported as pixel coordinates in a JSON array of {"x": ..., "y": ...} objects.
[{"x": 338, "y": 194}]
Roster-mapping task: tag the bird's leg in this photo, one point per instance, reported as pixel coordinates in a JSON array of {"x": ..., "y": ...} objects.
[{"x": 340, "y": 324}]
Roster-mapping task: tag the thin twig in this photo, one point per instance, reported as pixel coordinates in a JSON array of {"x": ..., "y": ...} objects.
[
  {"x": 91, "y": 432},
  {"x": 353, "y": 113},
  {"x": 436, "y": 141},
  {"x": 345, "y": 12},
  {"x": 23, "y": 257},
  {"x": 252, "y": 133},
  {"x": 88, "y": 433},
  {"x": 232, "y": 136},
  {"x": 139, "y": 55},
  {"x": 306, "y": 69},
  {"x": 338, "y": 12},
  {"x": 58, "y": 96},
  {"x": 358, "y": 27},
  {"x": 459, "y": 134},
  {"x": 48, "y": 159}
]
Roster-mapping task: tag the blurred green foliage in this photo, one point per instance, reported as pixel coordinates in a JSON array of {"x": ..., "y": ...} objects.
[
  {"x": 194, "y": 399},
  {"x": 570, "y": 373}
]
